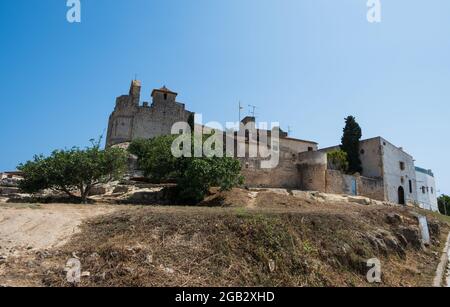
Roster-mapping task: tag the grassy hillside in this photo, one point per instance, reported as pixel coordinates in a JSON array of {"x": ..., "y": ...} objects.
[{"x": 277, "y": 241}]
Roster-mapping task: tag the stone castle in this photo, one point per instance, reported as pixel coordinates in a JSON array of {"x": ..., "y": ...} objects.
[{"x": 389, "y": 173}]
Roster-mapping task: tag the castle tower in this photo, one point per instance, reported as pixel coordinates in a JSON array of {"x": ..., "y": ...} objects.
[
  {"x": 135, "y": 91},
  {"x": 163, "y": 95}
]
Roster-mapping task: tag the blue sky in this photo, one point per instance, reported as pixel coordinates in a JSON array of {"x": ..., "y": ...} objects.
[{"x": 304, "y": 63}]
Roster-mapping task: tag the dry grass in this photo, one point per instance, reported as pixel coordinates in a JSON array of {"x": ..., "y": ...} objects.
[{"x": 285, "y": 241}]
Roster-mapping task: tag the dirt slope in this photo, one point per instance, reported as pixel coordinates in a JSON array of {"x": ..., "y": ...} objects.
[
  {"x": 239, "y": 238},
  {"x": 278, "y": 240}
]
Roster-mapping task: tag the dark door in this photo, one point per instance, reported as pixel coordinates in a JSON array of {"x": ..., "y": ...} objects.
[{"x": 401, "y": 196}]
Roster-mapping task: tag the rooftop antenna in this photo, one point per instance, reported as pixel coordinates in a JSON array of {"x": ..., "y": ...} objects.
[
  {"x": 253, "y": 112},
  {"x": 240, "y": 109}
]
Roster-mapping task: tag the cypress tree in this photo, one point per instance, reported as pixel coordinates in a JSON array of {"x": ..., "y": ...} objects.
[{"x": 350, "y": 144}]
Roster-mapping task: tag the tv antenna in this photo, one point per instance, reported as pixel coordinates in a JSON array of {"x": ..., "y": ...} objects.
[
  {"x": 240, "y": 109},
  {"x": 290, "y": 130},
  {"x": 253, "y": 112}
]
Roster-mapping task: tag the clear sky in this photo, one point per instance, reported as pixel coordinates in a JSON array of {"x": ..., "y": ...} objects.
[{"x": 304, "y": 63}]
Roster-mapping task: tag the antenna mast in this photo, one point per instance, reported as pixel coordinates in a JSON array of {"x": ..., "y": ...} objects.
[{"x": 253, "y": 112}]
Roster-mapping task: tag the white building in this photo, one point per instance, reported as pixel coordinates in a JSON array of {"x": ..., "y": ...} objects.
[{"x": 426, "y": 189}]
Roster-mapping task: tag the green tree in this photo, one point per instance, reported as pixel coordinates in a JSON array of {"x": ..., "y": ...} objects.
[
  {"x": 444, "y": 204},
  {"x": 74, "y": 170},
  {"x": 155, "y": 157},
  {"x": 338, "y": 160},
  {"x": 194, "y": 176},
  {"x": 350, "y": 144}
]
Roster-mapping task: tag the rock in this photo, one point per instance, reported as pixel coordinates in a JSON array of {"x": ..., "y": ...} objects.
[
  {"x": 121, "y": 189},
  {"x": 271, "y": 266},
  {"x": 9, "y": 191},
  {"x": 394, "y": 219},
  {"x": 97, "y": 191},
  {"x": 412, "y": 236},
  {"x": 149, "y": 259},
  {"x": 359, "y": 200},
  {"x": 283, "y": 192},
  {"x": 435, "y": 229},
  {"x": 301, "y": 194},
  {"x": 86, "y": 274},
  {"x": 167, "y": 270}
]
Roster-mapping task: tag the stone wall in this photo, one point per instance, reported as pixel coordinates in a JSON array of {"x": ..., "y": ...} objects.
[
  {"x": 285, "y": 175},
  {"x": 372, "y": 188},
  {"x": 339, "y": 183}
]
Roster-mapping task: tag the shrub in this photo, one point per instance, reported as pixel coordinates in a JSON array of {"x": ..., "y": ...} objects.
[{"x": 338, "y": 160}]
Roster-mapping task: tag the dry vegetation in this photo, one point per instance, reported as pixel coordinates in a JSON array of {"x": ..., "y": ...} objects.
[{"x": 277, "y": 241}]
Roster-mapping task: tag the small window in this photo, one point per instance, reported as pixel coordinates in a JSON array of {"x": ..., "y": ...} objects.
[
  {"x": 402, "y": 180},
  {"x": 402, "y": 166},
  {"x": 362, "y": 151},
  {"x": 410, "y": 187},
  {"x": 310, "y": 149},
  {"x": 423, "y": 190},
  {"x": 432, "y": 190},
  {"x": 165, "y": 96}
]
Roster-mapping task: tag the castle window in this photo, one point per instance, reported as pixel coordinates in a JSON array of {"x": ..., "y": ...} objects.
[
  {"x": 402, "y": 180},
  {"x": 423, "y": 190},
  {"x": 165, "y": 96},
  {"x": 363, "y": 151},
  {"x": 310, "y": 149},
  {"x": 410, "y": 187},
  {"x": 402, "y": 166},
  {"x": 432, "y": 191}
]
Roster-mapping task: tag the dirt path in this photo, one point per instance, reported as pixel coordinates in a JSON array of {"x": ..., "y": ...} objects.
[
  {"x": 28, "y": 233},
  {"x": 37, "y": 227}
]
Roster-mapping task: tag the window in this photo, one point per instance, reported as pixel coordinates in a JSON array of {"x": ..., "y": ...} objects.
[
  {"x": 410, "y": 187},
  {"x": 423, "y": 190},
  {"x": 165, "y": 96},
  {"x": 362, "y": 151},
  {"x": 310, "y": 149},
  {"x": 402, "y": 166},
  {"x": 432, "y": 190},
  {"x": 402, "y": 180}
]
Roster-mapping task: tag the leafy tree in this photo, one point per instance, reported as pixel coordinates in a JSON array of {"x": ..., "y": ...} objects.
[
  {"x": 73, "y": 170},
  {"x": 444, "y": 204},
  {"x": 194, "y": 176},
  {"x": 350, "y": 144},
  {"x": 155, "y": 157},
  {"x": 338, "y": 160}
]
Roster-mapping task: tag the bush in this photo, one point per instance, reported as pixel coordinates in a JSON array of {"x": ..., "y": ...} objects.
[
  {"x": 338, "y": 160},
  {"x": 194, "y": 176},
  {"x": 73, "y": 170},
  {"x": 444, "y": 204}
]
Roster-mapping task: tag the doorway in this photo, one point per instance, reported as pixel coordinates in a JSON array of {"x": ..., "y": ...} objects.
[{"x": 401, "y": 196}]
